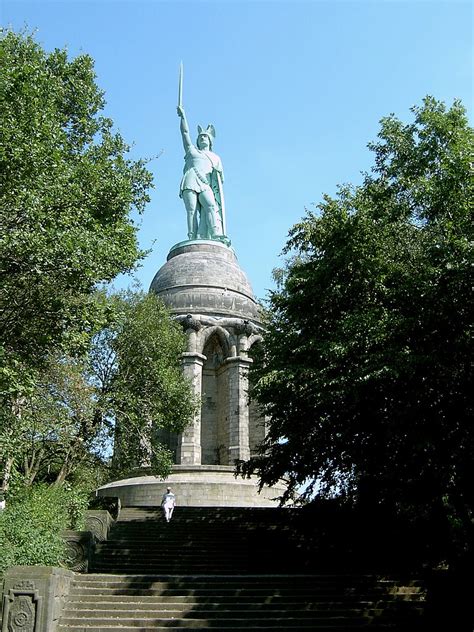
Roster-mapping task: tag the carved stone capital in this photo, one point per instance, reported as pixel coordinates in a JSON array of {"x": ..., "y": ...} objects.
[
  {"x": 189, "y": 322},
  {"x": 245, "y": 327},
  {"x": 241, "y": 361}
]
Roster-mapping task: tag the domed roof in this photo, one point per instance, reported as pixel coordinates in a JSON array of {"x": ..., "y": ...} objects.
[{"x": 204, "y": 277}]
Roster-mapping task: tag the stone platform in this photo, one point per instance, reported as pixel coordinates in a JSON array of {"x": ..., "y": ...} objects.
[{"x": 194, "y": 486}]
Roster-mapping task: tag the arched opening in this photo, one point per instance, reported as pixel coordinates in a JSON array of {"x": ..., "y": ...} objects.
[{"x": 215, "y": 400}]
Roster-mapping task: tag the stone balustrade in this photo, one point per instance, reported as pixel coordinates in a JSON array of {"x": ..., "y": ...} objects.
[{"x": 33, "y": 596}]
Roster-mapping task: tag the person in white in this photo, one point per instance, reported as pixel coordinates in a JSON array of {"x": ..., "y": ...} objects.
[{"x": 168, "y": 502}]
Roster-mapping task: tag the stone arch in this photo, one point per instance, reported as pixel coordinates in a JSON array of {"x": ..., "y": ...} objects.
[
  {"x": 215, "y": 397},
  {"x": 253, "y": 340},
  {"x": 215, "y": 331}
]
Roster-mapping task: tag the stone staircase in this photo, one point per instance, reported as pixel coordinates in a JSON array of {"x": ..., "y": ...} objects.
[
  {"x": 200, "y": 541},
  {"x": 228, "y": 570}
]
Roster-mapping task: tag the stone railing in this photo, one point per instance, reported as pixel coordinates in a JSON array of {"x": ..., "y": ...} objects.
[
  {"x": 98, "y": 522},
  {"x": 80, "y": 545},
  {"x": 33, "y": 596}
]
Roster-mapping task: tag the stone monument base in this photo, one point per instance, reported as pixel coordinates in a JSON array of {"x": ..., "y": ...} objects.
[{"x": 195, "y": 486}]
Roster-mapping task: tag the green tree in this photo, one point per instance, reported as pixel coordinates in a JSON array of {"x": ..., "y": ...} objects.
[
  {"x": 136, "y": 364},
  {"x": 67, "y": 190},
  {"x": 60, "y": 430},
  {"x": 129, "y": 385},
  {"x": 366, "y": 374}
]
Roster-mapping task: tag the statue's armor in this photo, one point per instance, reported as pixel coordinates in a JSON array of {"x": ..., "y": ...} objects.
[{"x": 198, "y": 167}]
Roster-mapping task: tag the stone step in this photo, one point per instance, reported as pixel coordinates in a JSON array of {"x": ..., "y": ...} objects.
[
  {"x": 269, "y": 588},
  {"x": 202, "y": 591},
  {"x": 186, "y": 543},
  {"x": 225, "y": 570},
  {"x": 170, "y": 530},
  {"x": 158, "y": 542},
  {"x": 184, "y": 603},
  {"x": 257, "y": 582},
  {"x": 334, "y": 627},
  {"x": 180, "y": 524},
  {"x": 283, "y": 622},
  {"x": 212, "y": 604},
  {"x": 151, "y": 535},
  {"x": 116, "y": 552},
  {"x": 213, "y": 522},
  {"x": 160, "y": 564},
  {"x": 262, "y": 593},
  {"x": 169, "y": 569},
  {"x": 285, "y": 578},
  {"x": 211, "y": 510},
  {"x": 218, "y": 612},
  {"x": 243, "y": 586},
  {"x": 209, "y": 516},
  {"x": 164, "y": 547},
  {"x": 114, "y": 548}
]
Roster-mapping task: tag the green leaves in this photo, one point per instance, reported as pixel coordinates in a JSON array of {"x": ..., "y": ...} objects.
[
  {"x": 127, "y": 388},
  {"x": 67, "y": 190},
  {"x": 366, "y": 368},
  {"x": 31, "y": 525},
  {"x": 137, "y": 362}
]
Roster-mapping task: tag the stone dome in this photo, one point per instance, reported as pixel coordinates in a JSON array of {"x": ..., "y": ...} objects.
[{"x": 204, "y": 277}]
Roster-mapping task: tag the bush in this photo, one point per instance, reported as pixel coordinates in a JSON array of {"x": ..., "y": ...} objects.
[{"x": 31, "y": 525}]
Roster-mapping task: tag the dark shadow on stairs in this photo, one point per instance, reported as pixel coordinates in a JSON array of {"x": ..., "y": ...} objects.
[{"x": 241, "y": 569}]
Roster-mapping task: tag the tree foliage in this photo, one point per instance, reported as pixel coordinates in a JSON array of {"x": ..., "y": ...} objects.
[
  {"x": 66, "y": 192},
  {"x": 128, "y": 385},
  {"x": 77, "y": 365},
  {"x": 135, "y": 364},
  {"x": 366, "y": 375},
  {"x": 60, "y": 446},
  {"x": 31, "y": 525}
]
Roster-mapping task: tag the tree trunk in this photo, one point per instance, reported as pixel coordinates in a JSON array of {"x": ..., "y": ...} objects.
[
  {"x": 7, "y": 474},
  {"x": 32, "y": 466},
  {"x": 63, "y": 472}
]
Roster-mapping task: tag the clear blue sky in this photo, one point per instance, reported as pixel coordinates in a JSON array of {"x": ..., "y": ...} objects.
[{"x": 294, "y": 88}]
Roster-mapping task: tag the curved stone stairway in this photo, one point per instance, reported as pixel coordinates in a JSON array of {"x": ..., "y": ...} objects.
[{"x": 230, "y": 570}]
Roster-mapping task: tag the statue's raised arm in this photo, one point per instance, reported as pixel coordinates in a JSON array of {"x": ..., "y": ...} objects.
[
  {"x": 201, "y": 185},
  {"x": 184, "y": 128}
]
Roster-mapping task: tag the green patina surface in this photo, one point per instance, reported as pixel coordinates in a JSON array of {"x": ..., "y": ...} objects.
[{"x": 201, "y": 187}]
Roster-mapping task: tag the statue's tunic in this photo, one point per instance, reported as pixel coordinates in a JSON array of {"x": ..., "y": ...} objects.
[{"x": 199, "y": 165}]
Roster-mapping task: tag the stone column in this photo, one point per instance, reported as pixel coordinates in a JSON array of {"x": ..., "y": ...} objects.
[
  {"x": 189, "y": 442},
  {"x": 238, "y": 413}
]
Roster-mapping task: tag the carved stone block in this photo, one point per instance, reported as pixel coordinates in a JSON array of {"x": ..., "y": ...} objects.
[
  {"x": 33, "y": 597},
  {"x": 98, "y": 522},
  {"x": 22, "y": 608},
  {"x": 79, "y": 548}
]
